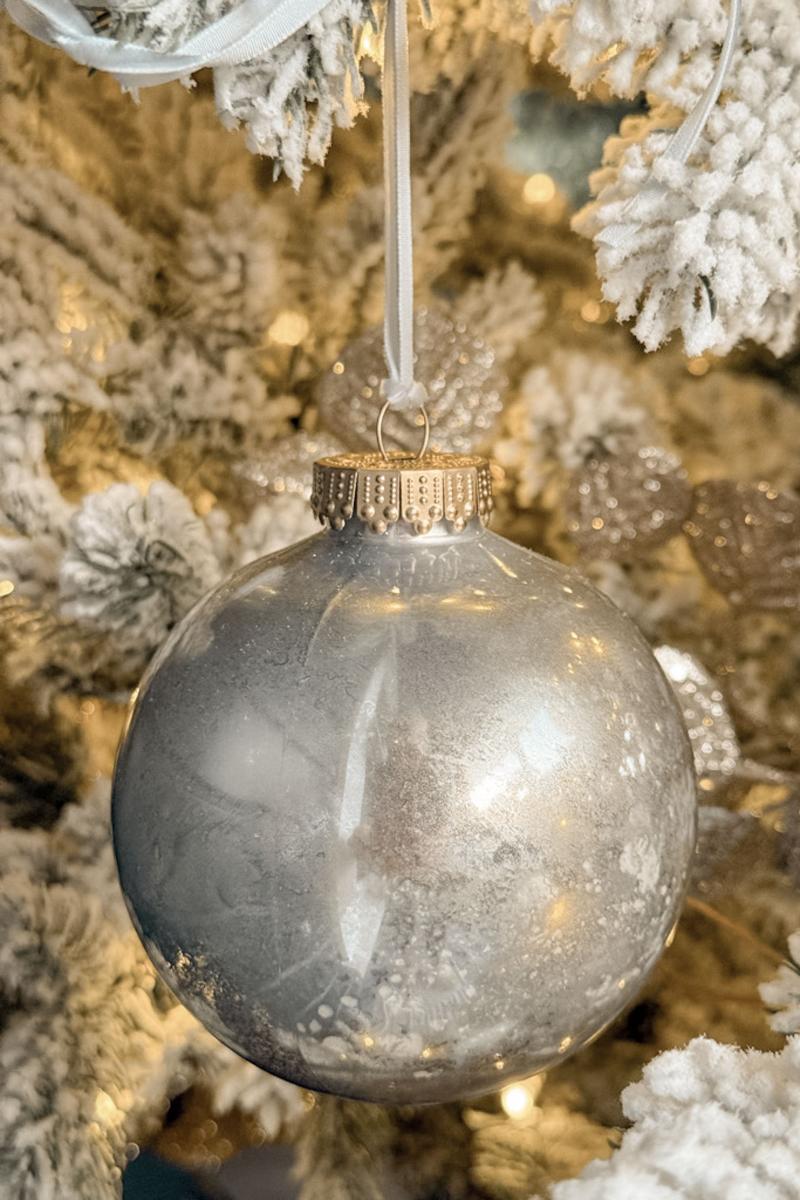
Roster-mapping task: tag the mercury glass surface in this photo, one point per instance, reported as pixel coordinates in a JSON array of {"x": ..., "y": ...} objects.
[{"x": 404, "y": 817}]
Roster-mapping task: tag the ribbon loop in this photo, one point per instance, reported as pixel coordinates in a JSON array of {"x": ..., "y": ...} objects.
[
  {"x": 621, "y": 235},
  {"x": 424, "y": 421},
  {"x": 245, "y": 32}
]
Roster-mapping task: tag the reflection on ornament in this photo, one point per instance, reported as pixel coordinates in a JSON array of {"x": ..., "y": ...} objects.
[
  {"x": 746, "y": 539},
  {"x": 404, "y": 816},
  {"x": 463, "y": 382},
  {"x": 285, "y": 469},
  {"x": 711, "y": 730},
  {"x": 624, "y": 504}
]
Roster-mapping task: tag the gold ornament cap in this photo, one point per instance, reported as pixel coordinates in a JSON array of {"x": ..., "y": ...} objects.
[{"x": 402, "y": 491}]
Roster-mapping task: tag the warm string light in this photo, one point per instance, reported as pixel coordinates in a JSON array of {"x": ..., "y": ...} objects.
[
  {"x": 289, "y": 328},
  {"x": 518, "y": 1100},
  {"x": 541, "y": 193},
  {"x": 539, "y": 189},
  {"x": 583, "y": 311}
]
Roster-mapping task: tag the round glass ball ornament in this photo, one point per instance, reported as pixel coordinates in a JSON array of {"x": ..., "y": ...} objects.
[{"x": 404, "y": 811}]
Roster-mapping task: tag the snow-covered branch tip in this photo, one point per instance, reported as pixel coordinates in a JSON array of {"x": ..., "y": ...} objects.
[{"x": 713, "y": 251}]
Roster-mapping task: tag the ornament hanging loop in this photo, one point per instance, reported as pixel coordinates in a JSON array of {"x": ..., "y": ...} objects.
[
  {"x": 426, "y": 434},
  {"x": 400, "y": 388}
]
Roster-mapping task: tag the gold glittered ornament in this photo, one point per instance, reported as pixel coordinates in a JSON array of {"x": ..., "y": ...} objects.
[
  {"x": 746, "y": 539},
  {"x": 622, "y": 505},
  {"x": 462, "y": 379}
]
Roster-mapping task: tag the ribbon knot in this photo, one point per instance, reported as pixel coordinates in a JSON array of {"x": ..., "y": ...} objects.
[{"x": 401, "y": 396}]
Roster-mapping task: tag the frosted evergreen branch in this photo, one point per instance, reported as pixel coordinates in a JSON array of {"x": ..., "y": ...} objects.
[{"x": 714, "y": 251}]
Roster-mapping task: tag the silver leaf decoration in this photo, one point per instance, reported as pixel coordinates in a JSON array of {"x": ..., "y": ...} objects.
[
  {"x": 746, "y": 539},
  {"x": 711, "y": 730},
  {"x": 622, "y": 505}
]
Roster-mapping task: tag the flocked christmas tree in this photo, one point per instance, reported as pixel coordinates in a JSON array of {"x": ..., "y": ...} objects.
[{"x": 182, "y": 308}]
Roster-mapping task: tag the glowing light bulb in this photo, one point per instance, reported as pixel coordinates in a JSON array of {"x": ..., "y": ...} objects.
[
  {"x": 518, "y": 1100},
  {"x": 289, "y": 328},
  {"x": 539, "y": 189}
]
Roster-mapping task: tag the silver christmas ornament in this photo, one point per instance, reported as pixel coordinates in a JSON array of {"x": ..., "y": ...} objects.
[
  {"x": 404, "y": 811},
  {"x": 622, "y": 505},
  {"x": 746, "y": 539},
  {"x": 463, "y": 382}
]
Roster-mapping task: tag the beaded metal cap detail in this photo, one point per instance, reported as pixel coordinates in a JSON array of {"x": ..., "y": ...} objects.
[{"x": 416, "y": 493}]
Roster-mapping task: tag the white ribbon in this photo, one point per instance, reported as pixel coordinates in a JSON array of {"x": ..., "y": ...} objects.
[
  {"x": 623, "y": 233},
  {"x": 249, "y": 30},
  {"x": 401, "y": 389}
]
